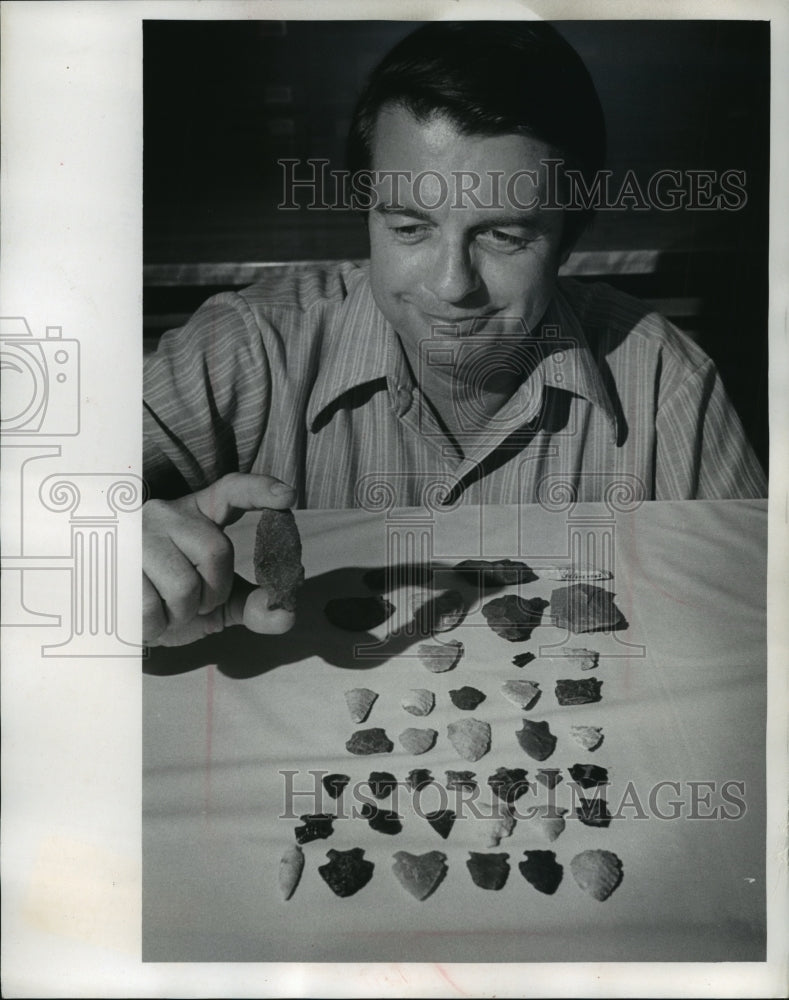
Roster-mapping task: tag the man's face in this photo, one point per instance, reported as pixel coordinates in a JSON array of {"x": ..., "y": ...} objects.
[{"x": 439, "y": 257}]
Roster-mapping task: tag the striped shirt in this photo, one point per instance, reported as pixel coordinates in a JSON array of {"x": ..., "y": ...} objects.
[{"x": 301, "y": 377}]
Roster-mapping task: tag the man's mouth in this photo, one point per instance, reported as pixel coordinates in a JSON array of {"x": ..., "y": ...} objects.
[{"x": 465, "y": 320}]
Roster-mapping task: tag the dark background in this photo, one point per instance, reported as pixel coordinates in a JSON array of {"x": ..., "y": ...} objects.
[{"x": 223, "y": 100}]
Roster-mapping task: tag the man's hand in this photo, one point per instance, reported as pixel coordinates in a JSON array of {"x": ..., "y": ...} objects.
[{"x": 190, "y": 588}]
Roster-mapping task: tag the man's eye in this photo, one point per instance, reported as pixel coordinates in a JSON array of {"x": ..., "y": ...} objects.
[
  {"x": 411, "y": 232},
  {"x": 502, "y": 240}
]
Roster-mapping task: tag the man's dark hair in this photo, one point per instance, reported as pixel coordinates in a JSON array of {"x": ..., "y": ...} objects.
[{"x": 491, "y": 78}]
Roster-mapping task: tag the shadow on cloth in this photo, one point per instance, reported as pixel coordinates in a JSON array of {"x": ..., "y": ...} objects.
[{"x": 241, "y": 654}]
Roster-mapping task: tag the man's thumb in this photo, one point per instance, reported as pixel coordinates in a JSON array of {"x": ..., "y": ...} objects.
[{"x": 248, "y": 605}]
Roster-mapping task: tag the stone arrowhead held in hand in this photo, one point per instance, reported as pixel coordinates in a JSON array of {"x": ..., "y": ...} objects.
[{"x": 277, "y": 558}]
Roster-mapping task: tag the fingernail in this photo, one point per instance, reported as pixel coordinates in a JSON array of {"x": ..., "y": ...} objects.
[{"x": 281, "y": 488}]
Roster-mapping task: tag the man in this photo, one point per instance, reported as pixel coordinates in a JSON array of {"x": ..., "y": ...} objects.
[{"x": 457, "y": 357}]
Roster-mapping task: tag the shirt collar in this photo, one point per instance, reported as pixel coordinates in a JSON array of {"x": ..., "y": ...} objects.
[
  {"x": 361, "y": 346},
  {"x": 578, "y": 373}
]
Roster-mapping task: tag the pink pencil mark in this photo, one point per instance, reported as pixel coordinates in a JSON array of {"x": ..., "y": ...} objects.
[
  {"x": 442, "y": 972},
  {"x": 209, "y": 727}
]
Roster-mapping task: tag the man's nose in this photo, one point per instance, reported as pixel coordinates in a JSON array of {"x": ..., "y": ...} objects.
[{"x": 453, "y": 275}]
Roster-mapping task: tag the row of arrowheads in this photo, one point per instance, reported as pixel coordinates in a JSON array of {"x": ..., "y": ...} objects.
[
  {"x": 580, "y": 607},
  {"x": 597, "y": 872},
  {"x": 507, "y": 784},
  {"x": 471, "y": 737}
]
